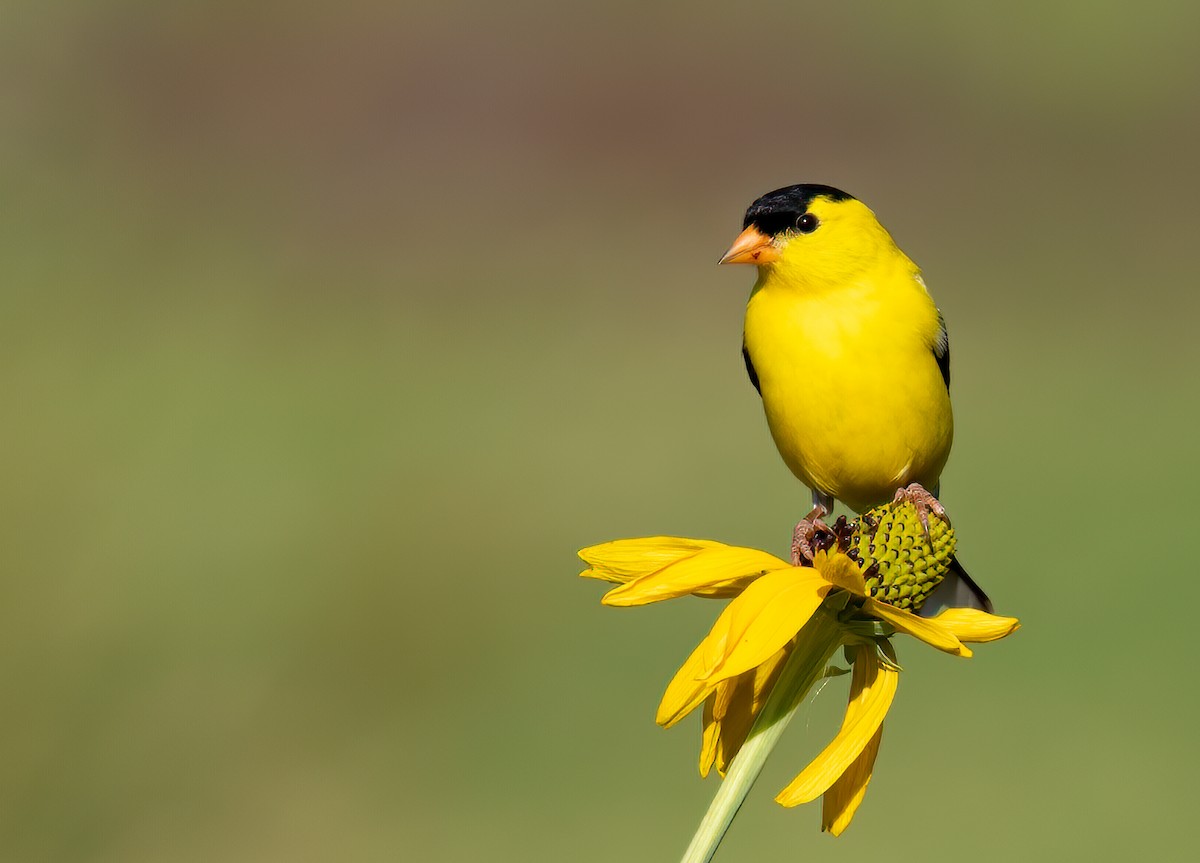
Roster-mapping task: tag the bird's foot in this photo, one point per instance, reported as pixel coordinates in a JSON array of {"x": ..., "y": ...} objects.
[
  {"x": 924, "y": 502},
  {"x": 805, "y": 536}
]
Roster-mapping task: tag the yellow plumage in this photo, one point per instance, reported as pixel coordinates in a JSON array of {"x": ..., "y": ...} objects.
[{"x": 849, "y": 350}]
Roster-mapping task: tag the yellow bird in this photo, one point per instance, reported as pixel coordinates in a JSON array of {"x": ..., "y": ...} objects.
[{"x": 848, "y": 351}]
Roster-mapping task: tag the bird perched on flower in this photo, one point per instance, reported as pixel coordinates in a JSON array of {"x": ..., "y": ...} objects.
[{"x": 849, "y": 353}]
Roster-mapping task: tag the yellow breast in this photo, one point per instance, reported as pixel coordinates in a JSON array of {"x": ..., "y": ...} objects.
[{"x": 852, "y": 391}]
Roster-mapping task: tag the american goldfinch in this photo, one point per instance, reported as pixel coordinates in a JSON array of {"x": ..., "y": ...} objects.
[{"x": 848, "y": 351}]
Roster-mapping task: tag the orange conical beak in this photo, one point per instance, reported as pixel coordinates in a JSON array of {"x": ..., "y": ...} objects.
[{"x": 752, "y": 246}]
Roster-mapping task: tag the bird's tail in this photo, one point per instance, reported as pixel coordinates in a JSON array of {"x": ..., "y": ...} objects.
[{"x": 957, "y": 590}]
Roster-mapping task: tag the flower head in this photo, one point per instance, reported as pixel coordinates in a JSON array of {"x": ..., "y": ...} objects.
[{"x": 783, "y": 625}]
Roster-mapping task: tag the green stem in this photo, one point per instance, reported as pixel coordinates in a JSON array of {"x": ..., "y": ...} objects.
[{"x": 815, "y": 645}]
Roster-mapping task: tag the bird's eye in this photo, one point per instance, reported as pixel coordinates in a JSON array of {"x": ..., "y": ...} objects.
[{"x": 807, "y": 223}]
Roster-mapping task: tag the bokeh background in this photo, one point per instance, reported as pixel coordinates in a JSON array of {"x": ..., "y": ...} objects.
[{"x": 328, "y": 332}]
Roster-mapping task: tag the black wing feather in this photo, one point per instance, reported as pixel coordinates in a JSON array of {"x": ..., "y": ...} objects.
[
  {"x": 941, "y": 350},
  {"x": 750, "y": 369}
]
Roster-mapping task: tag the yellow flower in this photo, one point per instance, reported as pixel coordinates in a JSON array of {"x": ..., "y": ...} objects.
[{"x": 784, "y": 621}]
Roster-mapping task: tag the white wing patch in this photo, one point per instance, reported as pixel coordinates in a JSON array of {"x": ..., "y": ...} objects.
[{"x": 942, "y": 345}]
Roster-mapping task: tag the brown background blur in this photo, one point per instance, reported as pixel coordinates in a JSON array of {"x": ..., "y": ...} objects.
[{"x": 329, "y": 332}]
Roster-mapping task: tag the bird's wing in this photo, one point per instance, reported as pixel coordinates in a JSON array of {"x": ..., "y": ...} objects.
[
  {"x": 941, "y": 351},
  {"x": 754, "y": 375}
]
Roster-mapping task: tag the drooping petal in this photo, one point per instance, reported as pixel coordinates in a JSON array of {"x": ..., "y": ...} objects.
[
  {"x": 686, "y": 690},
  {"x": 711, "y": 736},
  {"x": 690, "y": 686},
  {"x": 730, "y": 710},
  {"x": 926, "y": 629},
  {"x": 871, "y": 692},
  {"x": 725, "y": 705},
  {"x": 840, "y": 571},
  {"x": 744, "y": 704},
  {"x": 759, "y": 622},
  {"x": 842, "y": 800},
  {"x": 971, "y": 624},
  {"x": 626, "y": 559},
  {"x": 726, "y": 566}
]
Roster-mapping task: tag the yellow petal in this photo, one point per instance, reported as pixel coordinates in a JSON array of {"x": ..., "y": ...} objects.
[
  {"x": 766, "y": 616},
  {"x": 971, "y": 624},
  {"x": 726, "y": 710},
  {"x": 926, "y": 629},
  {"x": 626, "y": 559},
  {"x": 723, "y": 589},
  {"x": 705, "y": 569},
  {"x": 741, "y": 708},
  {"x": 840, "y": 571},
  {"x": 711, "y": 738},
  {"x": 872, "y": 689},
  {"x": 686, "y": 690},
  {"x": 842, "y": 800}
]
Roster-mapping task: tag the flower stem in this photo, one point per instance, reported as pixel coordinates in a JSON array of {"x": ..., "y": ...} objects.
[{"x": 805, "y": 665}]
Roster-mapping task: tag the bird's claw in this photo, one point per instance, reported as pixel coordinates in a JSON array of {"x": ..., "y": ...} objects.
[
  {"x": 924, "y": 502},
  {"x": 805, "y": 534}
]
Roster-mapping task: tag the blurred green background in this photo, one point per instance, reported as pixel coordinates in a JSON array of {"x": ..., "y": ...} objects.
[{"x": 329, "y": 332}]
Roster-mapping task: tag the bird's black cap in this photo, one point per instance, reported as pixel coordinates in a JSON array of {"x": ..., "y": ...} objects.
[{"x": 776, "y": 212}]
